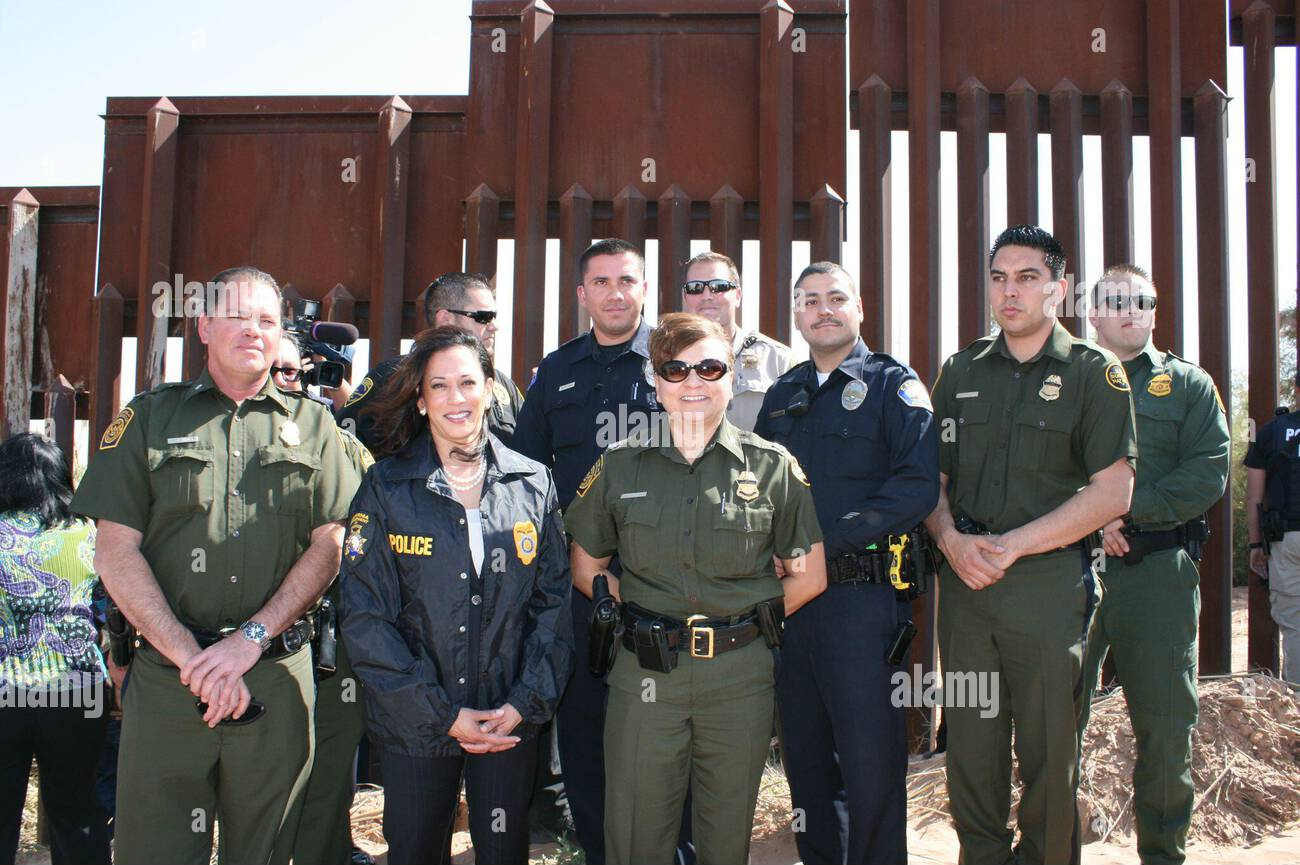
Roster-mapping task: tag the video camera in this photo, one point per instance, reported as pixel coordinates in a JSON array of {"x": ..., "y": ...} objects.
[{"x": 329, "y": 339}]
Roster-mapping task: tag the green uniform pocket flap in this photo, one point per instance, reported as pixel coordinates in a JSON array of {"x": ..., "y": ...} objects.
[
  {"x": 269, "y": 454},
  {"x": 160, "y": 456}
]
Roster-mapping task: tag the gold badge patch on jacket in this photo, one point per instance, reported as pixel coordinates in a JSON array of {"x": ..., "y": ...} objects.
[
  {"x": 526, "y": 541},
  {"x": 1161, "y": 385},
  {"x": 746, "y": 486},
  {"x": 1051, "y": 388}
]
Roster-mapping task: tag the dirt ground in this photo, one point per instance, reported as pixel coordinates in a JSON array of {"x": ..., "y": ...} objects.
[{"x": 935, "y": 843}]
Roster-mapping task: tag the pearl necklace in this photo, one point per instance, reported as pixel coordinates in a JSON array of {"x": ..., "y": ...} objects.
[{"x": 468, "y": 483}]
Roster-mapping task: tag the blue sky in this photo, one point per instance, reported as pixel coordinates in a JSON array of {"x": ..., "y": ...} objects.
[{"x": 80, "y": 53}]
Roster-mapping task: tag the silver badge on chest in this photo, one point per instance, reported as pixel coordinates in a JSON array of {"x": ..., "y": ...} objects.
[{"x": 853, "y": 395}]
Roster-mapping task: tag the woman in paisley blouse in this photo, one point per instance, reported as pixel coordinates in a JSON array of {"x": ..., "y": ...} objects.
[{"x": 53, "y": 698}]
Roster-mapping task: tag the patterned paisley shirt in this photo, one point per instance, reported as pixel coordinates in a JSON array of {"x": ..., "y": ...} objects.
[{"x": 47, "y": 633}]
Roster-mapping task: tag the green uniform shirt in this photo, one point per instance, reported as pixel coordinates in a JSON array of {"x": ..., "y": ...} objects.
[
  {"x": 226, "y": 496},
  {"x": 696, "y": 538},
  {"x": 1017, "y": 440},
  {"x": 1183, "y": 432}
]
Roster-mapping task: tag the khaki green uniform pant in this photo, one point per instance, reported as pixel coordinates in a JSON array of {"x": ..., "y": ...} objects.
[
  {"x": 1028, "y": 629},
  {"x": 175, "y": 774},
  {"x": 706, "y": 725},
  {"x": 325, "y": 831},
  {"x": 1148, "y": 623}
]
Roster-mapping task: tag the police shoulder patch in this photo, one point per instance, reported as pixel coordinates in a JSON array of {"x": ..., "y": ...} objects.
[
  {"x": 913, "y": 394},
  {"x": 592, "y": 474},
  {"x": 360, "y": 393},
  {"x": 354, "y": 547},
  {"x": 499, "y": 391},
  {"x": 1116, "y": 377},
  {"x": 113, "y": 434}
]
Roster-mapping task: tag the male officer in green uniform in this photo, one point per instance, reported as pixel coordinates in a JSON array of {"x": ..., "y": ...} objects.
[
  {"x": 1036, "y": 453},
  {"x": 220, "y": 504},
  {"x": 695, "y": 517},
  {"x": 1148, "y": 617},
  {"x": 712, "y": 289}
]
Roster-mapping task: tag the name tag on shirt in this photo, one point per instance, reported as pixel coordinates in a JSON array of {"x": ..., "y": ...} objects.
[
  {"x": 639, "y": 495},
  {"x": 968, "y": 394},
  {"x": 183, "y": 440},
  {"x": 565, "y": 386}
]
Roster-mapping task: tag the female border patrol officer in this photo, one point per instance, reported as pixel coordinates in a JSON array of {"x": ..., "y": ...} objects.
[
  {"x": 695, "y": 510},
  {"x": 455, "y": 607}
]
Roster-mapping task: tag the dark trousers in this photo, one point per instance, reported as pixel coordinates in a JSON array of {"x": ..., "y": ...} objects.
[
  {"x": 580, "y": 728},
  {"x": 66, "y": 744},
  {"x": 421, "y": 795},
  {"x": 845, "y": 745}
]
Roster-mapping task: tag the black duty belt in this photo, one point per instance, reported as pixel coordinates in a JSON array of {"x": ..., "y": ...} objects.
[
  {"x": 1155, "y": 542},
  {"x": 290, "y": 641},
  {"x": 869, "y": 567},
  {"x": 699, "y": 636},
  {"x": 1292, "y": 525}
]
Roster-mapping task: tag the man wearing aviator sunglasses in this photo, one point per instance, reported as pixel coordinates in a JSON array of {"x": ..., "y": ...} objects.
[
  {"x": 464, "y": 300},
  {"x": 712, "y": 289},
  {"x": 1147, "y": 618}
]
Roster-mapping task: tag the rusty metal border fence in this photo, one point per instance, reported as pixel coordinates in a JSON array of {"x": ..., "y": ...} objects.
[{"x": 673, "y": 121}]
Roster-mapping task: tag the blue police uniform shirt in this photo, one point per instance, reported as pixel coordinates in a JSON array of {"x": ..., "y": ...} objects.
[
  {"x": 578, "y": 404},
  {"x": 1276, "y": 444},
  {"x": 867, "y": 442}
]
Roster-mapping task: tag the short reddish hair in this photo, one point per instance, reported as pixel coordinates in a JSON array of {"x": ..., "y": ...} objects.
[{"x": 677, "y": 331}]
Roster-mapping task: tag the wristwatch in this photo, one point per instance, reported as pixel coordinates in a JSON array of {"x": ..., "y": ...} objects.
[
  {"x": 1258, "y": 545},
  {"x": 256, "y": 632}
]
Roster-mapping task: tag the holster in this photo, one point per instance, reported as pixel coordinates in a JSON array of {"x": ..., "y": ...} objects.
[
  {"x": 771, "y": 621},
  {"x": 121, "y": 637},
  {"x": 1272, "y": 526},
  {"x": 325, "y": 640},
  {"x": 922, "y": 561},
  {"x": 650, "y": 637},
  {"x": 604, "y": 629}
]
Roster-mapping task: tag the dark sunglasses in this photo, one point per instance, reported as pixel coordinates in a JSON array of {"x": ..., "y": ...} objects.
[
  {"x": 717, "y": 286},
  {"x": 709, "y": 369},
  {"x": 289, "y": 373},
  {"x": 482, "y": 316},
  {"x": 256, "y": 709},
  {"x": 1118, "y": 303}
]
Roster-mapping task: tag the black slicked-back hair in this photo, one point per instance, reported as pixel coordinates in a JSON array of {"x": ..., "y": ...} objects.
[
  {"x": 609, "y": 246},
  {"x": 1034, "y": 237}
]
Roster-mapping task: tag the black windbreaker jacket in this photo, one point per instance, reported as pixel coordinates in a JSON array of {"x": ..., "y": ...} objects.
[{"x": 427, "y": 635}]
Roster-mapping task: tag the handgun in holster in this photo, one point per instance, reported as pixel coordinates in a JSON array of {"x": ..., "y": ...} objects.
[
  {"x": 1272, "y": 527},
  {"x": 1195, "y": 533},
  {"x": 325, "y": 641},
  {"x": 771, "y": 621},
  {"x": 604, "y": 629},
  {"x": 121, "y": 636}
]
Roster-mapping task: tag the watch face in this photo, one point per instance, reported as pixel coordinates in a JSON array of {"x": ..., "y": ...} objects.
[{"x": 254, "y": 631}]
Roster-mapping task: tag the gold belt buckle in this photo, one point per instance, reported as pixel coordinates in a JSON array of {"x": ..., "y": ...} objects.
[{"x": 696, "y": 633}]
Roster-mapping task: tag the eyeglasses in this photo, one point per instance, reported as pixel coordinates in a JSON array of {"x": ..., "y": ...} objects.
[
  {"x": 482, "y": 316},
  {"x": 709, "y": 369},
  {"x": 717, "y": 286},
  {"x": 1121, "y": 302},
  {"x": 288, "y": 373}
]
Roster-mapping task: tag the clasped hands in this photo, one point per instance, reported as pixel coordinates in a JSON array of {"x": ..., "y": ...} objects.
[{"x": 485, "y": 731}]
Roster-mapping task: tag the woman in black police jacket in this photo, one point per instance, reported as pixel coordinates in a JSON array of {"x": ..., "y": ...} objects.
[{"x": 455, "y": 607}]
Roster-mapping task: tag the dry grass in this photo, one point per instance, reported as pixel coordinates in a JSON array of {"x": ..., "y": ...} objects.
[{"x": 1245, "y": 765}]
